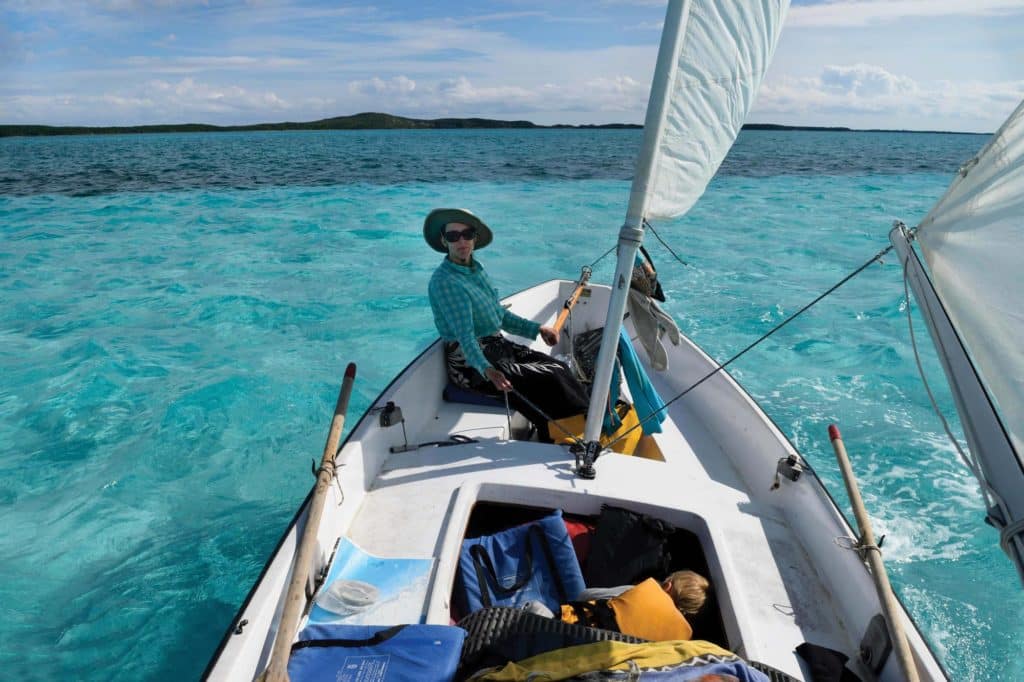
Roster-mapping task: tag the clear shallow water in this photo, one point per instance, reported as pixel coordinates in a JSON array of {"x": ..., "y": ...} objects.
[{"x": 171, "y": 353}]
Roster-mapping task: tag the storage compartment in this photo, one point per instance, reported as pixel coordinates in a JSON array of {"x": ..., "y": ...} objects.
[{"x": 682, "y": 548}]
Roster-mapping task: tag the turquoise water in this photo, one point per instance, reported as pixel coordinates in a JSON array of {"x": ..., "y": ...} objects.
[{"x": 178, "y": 310}]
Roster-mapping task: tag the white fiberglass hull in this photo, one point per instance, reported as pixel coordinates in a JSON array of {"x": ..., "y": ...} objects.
[{"x": 779, "y": 575}]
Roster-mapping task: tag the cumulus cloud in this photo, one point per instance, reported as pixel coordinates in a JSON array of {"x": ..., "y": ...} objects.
[
  {"x": 462, "y": 96},
  {"x": 865, "y": 80},
  {"x": 848, "y": 95},
  {"x": 156, "y": 101},
  {"x": 399, "y": 85}
]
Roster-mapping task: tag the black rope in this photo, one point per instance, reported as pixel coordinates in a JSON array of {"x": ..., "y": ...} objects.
[
  {"x": 779, "y": 326},
  {"x": 561, "y": 428},
  {"x": 655, "y": 232},
  {"x": 601, "y": 257}
]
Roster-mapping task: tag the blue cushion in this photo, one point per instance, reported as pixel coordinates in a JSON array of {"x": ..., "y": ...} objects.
[
  {"x": 533, "y": 562},
  {"x": 358, "y": 653},
  {"x": 457, "y": 394}
]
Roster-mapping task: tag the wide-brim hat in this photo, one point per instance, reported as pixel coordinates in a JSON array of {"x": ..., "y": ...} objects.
[{"x": 433, "y": 226}]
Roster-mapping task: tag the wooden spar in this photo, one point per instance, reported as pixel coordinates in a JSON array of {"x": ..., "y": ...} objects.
[
  {"x": 294, "y": 602},
  {"x": 571, "y": 301},
  {"x": 874, "y": 555}
]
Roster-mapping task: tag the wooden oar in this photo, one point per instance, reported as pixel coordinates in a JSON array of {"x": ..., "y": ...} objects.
[
  {"x": 874, "y": 556},
  {"x": 295, "y": 600},
  {"x": 571, "y": 301}
]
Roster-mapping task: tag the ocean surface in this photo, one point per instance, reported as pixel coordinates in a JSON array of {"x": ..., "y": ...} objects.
[{"x": 176, "y": 312}]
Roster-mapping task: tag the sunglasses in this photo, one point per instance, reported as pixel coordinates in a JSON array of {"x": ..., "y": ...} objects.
[{"x": 452, "y": 236}]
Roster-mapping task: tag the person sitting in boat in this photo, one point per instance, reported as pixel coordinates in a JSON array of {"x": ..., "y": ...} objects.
[
  {"x": 469, "y": 317},
  {"x": 650, "y": 610}
]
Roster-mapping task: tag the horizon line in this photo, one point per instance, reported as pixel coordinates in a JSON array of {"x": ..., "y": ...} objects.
[{"x": 385, "y": 121}]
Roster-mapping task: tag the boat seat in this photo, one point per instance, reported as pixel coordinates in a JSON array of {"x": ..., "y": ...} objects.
[
  {"x": 522, "y": 429},
  {"x": 457, "y": 394}
]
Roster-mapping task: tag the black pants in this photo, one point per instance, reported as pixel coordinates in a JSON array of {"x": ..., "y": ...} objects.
[{"x": 547, "y": 383}]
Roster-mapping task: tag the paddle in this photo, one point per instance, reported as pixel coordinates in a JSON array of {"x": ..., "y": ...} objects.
[
  {"x": 866, "y": 546},
  {"x": 571, "y": 301},
  {"x": 295, "y": 600}
]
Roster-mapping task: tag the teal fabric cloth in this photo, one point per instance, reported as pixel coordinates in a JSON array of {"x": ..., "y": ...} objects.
[
  {"x": 466, "y": 306},
  {"x": 645, "y": 396}
]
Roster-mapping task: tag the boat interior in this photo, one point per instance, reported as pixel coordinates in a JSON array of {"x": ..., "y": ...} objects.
[{"x": 420, "y": 476}]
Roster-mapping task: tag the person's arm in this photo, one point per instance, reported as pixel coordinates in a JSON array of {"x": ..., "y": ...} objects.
[
  {"x": 520, "y": 326},
  {"x": 451, "y": 306}
]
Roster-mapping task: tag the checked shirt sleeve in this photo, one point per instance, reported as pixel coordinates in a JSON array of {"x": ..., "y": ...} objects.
[
  {"x": 519, "y": 326},
  {"x": 454, "y": 314}
]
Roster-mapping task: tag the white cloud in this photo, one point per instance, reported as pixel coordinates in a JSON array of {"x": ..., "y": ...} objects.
[
  {"x": 865, "y": 80},
  {"x": 866, "y": 12},
  {"x": 399, "y": 85},
  {"x": 854, "y": 94}
]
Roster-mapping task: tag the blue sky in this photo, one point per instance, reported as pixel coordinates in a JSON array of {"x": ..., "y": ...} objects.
[{"x": 914, "y": 64}]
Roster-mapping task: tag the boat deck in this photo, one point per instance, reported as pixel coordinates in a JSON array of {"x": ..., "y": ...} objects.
[{"x": 771, "y": 598}]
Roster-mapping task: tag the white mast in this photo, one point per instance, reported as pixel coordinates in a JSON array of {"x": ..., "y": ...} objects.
[
  {"x": 712, "y": 59},
  {"x": 632, "y": 231}
]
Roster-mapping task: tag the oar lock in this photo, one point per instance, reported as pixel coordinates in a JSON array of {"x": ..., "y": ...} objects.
[
  {"x": 789, "y": 467},
  {"x": 390, "y": 414}
]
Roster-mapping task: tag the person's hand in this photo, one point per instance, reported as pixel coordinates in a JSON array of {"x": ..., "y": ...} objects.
[
  {"x": 549, "y": 335},
  {"x": 499, "y": 380}
]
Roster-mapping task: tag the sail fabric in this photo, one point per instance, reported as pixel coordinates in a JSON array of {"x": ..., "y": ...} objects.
[
  {"x": 722, "y": 56},
  {"x": 973, "y": 242}
]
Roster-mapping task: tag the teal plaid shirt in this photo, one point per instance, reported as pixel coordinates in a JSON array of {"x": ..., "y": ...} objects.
[{"x": 466, "y": 306}]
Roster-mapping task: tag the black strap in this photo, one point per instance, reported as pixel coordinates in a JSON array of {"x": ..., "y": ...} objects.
[
  {"x": 596, "y": 614},
  {"x": 484, "y": 568},
  {"x": 378, "y": 638}
]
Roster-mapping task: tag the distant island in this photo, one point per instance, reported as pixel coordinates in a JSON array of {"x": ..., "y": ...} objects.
[{"x": 372, "y": 121}]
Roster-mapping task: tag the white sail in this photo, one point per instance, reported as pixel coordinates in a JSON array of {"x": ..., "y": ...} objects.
[
  {"x": 723, "y": 55},
  {"x": 973, "y": 303},
  {"x": 712, "y": 58},
  {"x": 973, "y": 242}
]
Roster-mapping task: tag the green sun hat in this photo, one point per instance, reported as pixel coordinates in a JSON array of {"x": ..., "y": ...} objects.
[{"x": 436, "y": 220}]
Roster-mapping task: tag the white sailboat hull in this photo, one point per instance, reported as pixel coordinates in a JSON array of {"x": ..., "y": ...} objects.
[{"x": 780, "y": 577}]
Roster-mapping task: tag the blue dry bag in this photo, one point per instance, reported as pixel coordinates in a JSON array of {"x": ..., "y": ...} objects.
[
  {"x": 370, "y": 653},
  {"x": 535, "y": 562}
]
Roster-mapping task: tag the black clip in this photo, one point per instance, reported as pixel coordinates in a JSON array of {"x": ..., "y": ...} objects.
[{"x": 391, "y": 414}]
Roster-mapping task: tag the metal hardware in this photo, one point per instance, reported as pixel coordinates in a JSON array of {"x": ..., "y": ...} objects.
[
  {"x": 390, "y": 415},
  {"x": 586, "y": 455},
  {"x": 241, "y": 624},
  {"x": 876, "y": 645},
  {"x": 788, "y": 467}
]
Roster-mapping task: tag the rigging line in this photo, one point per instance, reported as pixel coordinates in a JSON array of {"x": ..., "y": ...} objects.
[
  {"x": 601, "y": 257},
  {"x": 576, "y": 439},
  {"x": 655, "y": 232},
  {"x": 969, "y": 460},
  {"x": 764, "y": 336}
]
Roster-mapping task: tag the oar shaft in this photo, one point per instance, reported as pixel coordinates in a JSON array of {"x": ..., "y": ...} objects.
[
  {"x": 295, "y": 598},
  {"x": 874, "y": 556},
  {"x": 571, "y": 301}
]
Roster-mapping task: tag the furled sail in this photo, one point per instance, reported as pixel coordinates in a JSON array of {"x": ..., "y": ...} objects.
[
  {"x": 973, "y": 243},
  {"x": 722, "y": 57}
]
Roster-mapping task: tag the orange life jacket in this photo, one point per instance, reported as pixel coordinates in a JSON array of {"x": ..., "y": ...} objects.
[{"x": 644, "y": 611}]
